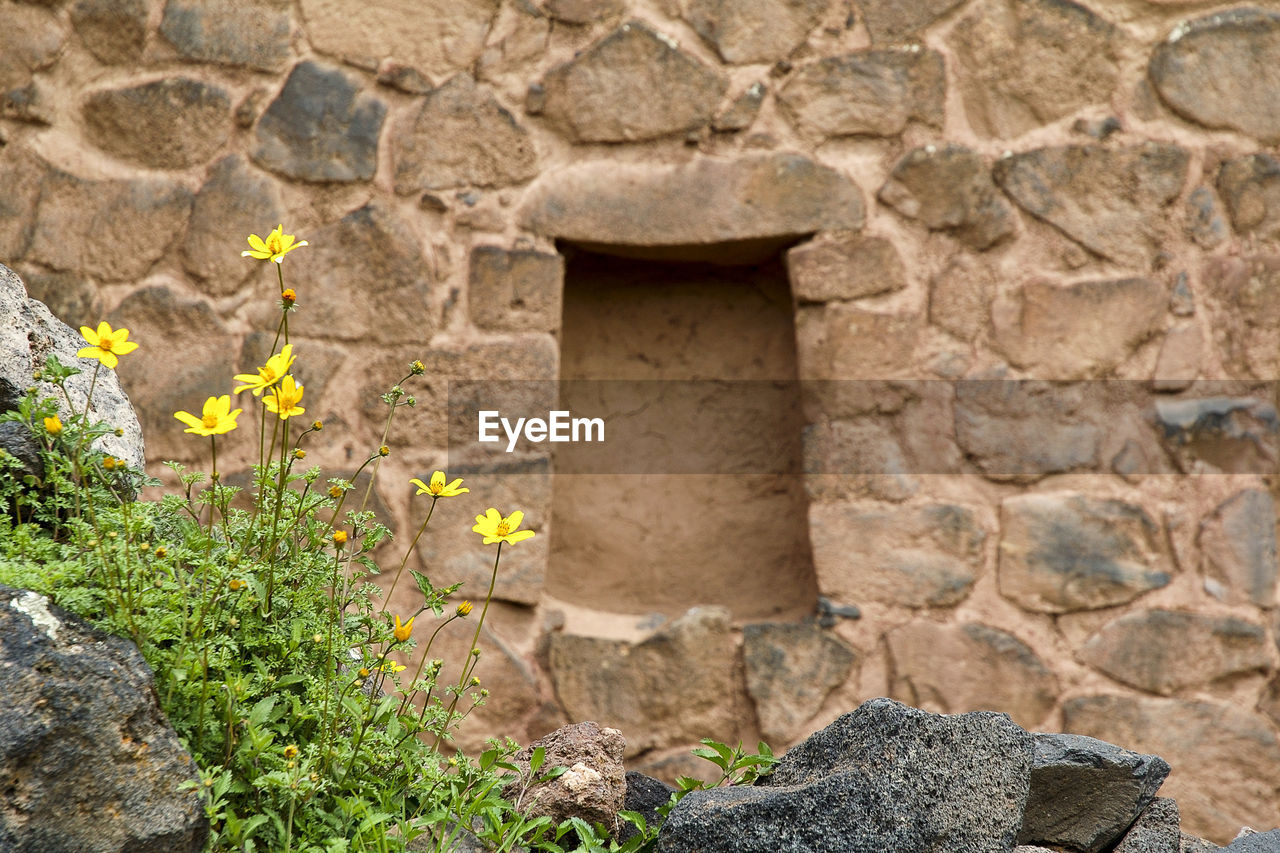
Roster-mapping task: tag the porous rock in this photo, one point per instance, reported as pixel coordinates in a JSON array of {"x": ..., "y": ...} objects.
[
  {"x": 950, "y": 189},
  {"x": 90, "y": 763},
  {"x": 321, "y": 127},
  {"x": 634, "y": 84},
  {"x": 1255, "y": 842},
  {"x": 872, "y": 92},
  {"x": 1162, "y": 651},
  {"x": 757, "y": 30},
  {"x": 1220, "y": 71},
  {"x": 1238, "y": 547},
  {"x": 1024, "y": 63},
  {"x": 1155, "y": 831},
  {"x": 1086, "y": 792},
  {"x": 1066, "y": 551},
  {"x": 883, "y": 777},
  {"x": 460, "y": 135},
  {"x": 1107, "y": 199},
  {"x": 790, "y": 669},
  {"x": 644, "y": 795},
  {"x": 593, "y": 787},
  {"x": 29, "y": 333},
  {"x": 756, "y": 197}
]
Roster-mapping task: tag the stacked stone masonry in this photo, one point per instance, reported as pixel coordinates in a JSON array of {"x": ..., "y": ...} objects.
[{"x": 1031, "y": 250}]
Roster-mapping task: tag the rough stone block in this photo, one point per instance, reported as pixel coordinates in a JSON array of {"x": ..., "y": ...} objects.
[
  {"x": 594, "y": 786},
  {"x": 675, "y": 686},
  {"x": 757, "y": 30},
  {"x": 891, "y": 21},
  {"x": 32, "y": 40},
  {"x": 1109, "y": 200},
  {"x": 1205, "y": 220},
  {"x": 1063, "y": 551},
  {"x": 1081, "y": 330},
  {"x": 1155, "y": 831},
  {"x": 926, "y": 556},
  {"x": 1229, "y": 434},
  {"x": 969, "y": 667},
  {"x": 80, "y": 724},
  {"x": 1238, "y": 549},
  {"x": 791, "y": 668},
  {"x": 234, "y": 202},
  {"x": 1226, "y": 760},
  {"x": 363, "y": 278},
  {"x": 1178, "y": 364},
  {"x": 844, "y": 265},
  {"x": 166, "y": 124},
  {"x": 112, "y": 229},
  {"x": 950, "y": 189},
  {"x": 249, "y": 33},
  {"x": 883, "y": 777},
  {"x": 868, "y": 93},
  {"x": 115, "y": 31},
  {"x": 21, "y": 174},
  {"x": 831, "y": 342},
  {"x": 1244, "y": 336},
  {"x": 518, "y": 290},
  {"x": 634, "y": 84},
  {"x": 1250, "y": 186},
  {"x": 460, "y": 136},
  {"x": 1085, "y": 793},
  {"x": 439, "y": 37},
  {"x": 706, "y": 201},
  {"x": 1024, "y": 63},
  {"x": 1218, "y": 71},
  {"x": 1023, "y": 429},
  {"x": 321, "y": 127}
]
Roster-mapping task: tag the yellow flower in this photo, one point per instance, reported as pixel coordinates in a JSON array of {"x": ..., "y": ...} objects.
[
  {"x": 216, "y": 418},
  {"x": 269, "y": 374},
  {"x": 274, "y": 248},
  {"x": 401, "y": 632},
  {"x": 339, "y": 538},
  {"x": 392, "y": 667},
  {"x": 288, "y": 296},
  {"x": 284, "y": 399},
  {"x": 290, "y": 751},
  {"x": 494, "y": 528},
  {"x": 53, "y": 425},
  {"x": 105, "y": 344},
  {"x": 299, "y": 453},
  {"x": 235, "y": 585},
  {"x": 464, "y": 609},
  {"x": 335, "y": 491},
  {"x": 437, "y": 488}
]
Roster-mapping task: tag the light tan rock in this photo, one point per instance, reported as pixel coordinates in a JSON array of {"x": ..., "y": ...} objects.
[
  {"x": 1226, "y": 761},
  {"x": 435, "y": 36},
  {"x": 1162, "y": 651},
  {"x": 235, "y": 201},
  {"x": 860, "y": 458},
  {"x": 1245, "y": 336},
  {"x": 891, "y": 20},
  {"x": 1084, "y": 329},
  {"x": 971, "y": 667},
  {"x": 960, "y": 297},
  {"x": 519, "y": 290},
  {"x": 115, "y": 31},
  {"x": 870, "y": 92},
  {"x": 911, "y": 556},
  {"x": 844, "y": 265},
  {"x": 634, "y": 84},
  {"x": 31, "y": 40},
  {"x": 1250, "y": 186},
  {"x": 832, "y": 342},
  {"x": 1180, "y": 355},
  {"x": 363, "y": 278},
  {"x": 706, "y": 201},
  {"x": 111, "y": 229},
  {"x": 1024, "y": 63},
  {"x": 21, "y": 174},
  {"x": 1064, "y": 551},
  {"x": 675, "y": 686},
  {"x": 950, "y": 189},
  {"x": 460, "y": 136},
  {"x": 756, "y": 30}
]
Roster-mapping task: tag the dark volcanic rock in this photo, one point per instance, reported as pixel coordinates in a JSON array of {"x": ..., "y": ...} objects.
[
  {"x": 321, "y": 127},
  {"x": 644, "y": 795},
  {"x": 89, "y": 763},
  {"x": 1155, "y": 831},
  {"x": 1086, "y": 792},
  {"x": 882, "y": 778}
]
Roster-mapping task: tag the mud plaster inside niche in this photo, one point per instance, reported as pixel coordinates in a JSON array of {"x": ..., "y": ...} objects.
[{"x": 677, "y": 529}]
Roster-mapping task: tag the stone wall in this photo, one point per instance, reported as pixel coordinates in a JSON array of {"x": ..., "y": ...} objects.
[{"x": 968, "y": 197}]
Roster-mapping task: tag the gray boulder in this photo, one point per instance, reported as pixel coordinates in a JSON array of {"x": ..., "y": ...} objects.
[
  {"x": 88, "y": 763},
  {"x": 883, "y": 777},
  {"x": 28, "y": 334},
  {"x": 1086, "y": 792},
  {"x": 1255, "y": 842},
  {"x": 1155, "y": 831}
]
